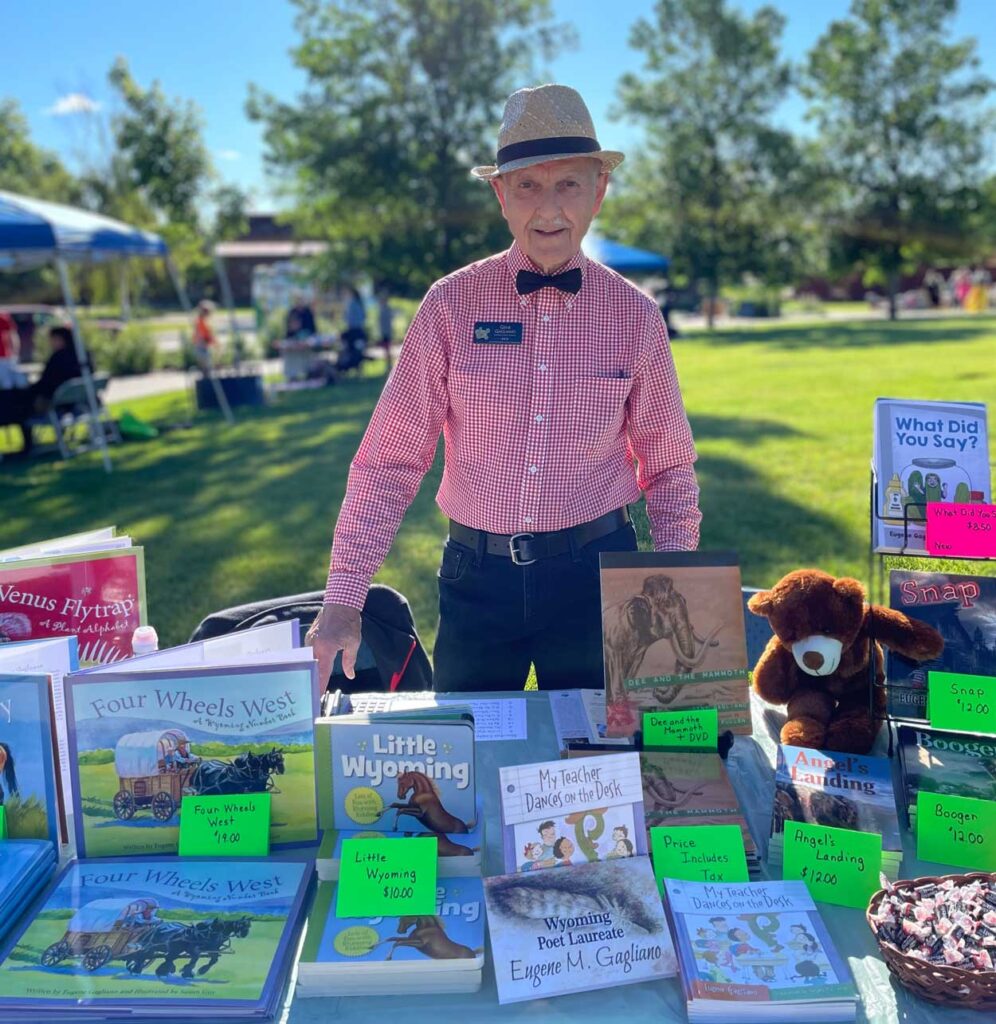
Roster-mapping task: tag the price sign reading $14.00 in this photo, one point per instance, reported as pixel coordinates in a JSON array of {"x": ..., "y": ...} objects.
[
  {"x": 838, "y": 865},
  {"x": 956, "y": 830},
  {"x": 225, "y": 826},
  {"x": 387, "y": 877},
  {"x": 962, "y": 703}
]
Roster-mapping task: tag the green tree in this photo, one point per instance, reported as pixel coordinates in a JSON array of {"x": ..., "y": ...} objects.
[
  {"x": 26, "y": 168},
  {"x": 402, "y": 97},
  {"x": 900, "y": 111},
  {"x": 715, "y": 183}
]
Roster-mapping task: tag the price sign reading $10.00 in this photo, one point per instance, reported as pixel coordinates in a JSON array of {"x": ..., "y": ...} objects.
[
  {"x": 956, "y": 830},
  {"x": 387, "y": 877},
  {"x": 225, "y": 826}
]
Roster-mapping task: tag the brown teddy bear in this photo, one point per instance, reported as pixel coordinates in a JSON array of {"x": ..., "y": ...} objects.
[{"x": 817, "y": 661}]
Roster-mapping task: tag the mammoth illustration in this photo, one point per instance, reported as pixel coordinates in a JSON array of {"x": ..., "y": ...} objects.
[{"x": 658, "y": 612}]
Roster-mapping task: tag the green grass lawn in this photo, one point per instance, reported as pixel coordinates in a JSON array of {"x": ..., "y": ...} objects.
[{"x": 782, "y": 416}]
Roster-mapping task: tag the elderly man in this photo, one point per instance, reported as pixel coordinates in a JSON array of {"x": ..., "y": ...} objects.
[{"x": 552, "y": 382}]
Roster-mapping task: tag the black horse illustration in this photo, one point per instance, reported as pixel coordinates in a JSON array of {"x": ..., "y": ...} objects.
[
  {"x": 7, "y": 772},
  {"x": 246, "y": 773},
  {"x": 172, "y": 941}
]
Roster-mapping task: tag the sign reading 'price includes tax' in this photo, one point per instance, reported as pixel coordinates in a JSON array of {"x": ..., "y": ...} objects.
[
  {"x": 957, "y": 830},
  {"x": 225, "y": 826},
  {"x": 698, "y": 853},
  {"x": 961, "y": 703},
  {"x": 387, "y": 877},
  {"x": 838, "y": 865},
  {"x": 694, "y": 729}
]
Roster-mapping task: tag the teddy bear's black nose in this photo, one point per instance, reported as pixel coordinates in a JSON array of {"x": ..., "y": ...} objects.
[{"x": 813, "y": 660}]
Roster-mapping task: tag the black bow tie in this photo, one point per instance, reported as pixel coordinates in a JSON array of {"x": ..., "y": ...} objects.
[{"x": 569, "y": 281}]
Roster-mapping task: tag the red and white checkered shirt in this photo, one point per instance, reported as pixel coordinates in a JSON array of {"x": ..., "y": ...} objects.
[{"x": 573, "y": 420}]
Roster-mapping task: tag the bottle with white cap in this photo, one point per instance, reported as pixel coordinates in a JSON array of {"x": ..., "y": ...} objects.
[{"x": 144, "y": 640}]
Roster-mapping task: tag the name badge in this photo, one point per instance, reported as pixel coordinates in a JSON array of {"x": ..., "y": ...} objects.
[{"x": 497, "y": 332}]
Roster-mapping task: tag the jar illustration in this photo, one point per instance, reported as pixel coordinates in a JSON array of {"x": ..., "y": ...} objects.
[{"x": 926, "y": 480}]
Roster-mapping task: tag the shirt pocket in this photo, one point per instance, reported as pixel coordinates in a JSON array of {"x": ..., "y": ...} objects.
[{"x": 599, "y": 412}]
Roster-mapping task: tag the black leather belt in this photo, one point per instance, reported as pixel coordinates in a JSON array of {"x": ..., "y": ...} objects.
[{"x": 526, "y": 548}]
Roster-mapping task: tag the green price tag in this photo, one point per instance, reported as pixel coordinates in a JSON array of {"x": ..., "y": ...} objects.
[
  {"x": 838, "y": 865},
  {"x": 956, "y": 830},
  {"x": 225, "y": 826},
  {"x": 961, "y": 703},
  {"x": 695, "y": 729},
  {"x": 387, "y": 877},
  {"x": 3, "y": 822},
  {"x": 698, "y": 853}
]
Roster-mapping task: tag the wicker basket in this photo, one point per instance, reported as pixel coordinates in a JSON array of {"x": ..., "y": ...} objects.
[{"x": 938, "y": 983}]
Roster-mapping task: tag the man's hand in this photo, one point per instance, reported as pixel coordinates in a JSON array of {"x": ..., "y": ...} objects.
[{"x": 336, "y": 628}]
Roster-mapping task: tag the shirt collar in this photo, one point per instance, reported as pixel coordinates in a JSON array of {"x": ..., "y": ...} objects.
[{"x": 517, "y": 260}]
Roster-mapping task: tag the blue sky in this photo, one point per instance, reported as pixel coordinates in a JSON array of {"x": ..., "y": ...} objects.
[{"x": 209, "y": 52}]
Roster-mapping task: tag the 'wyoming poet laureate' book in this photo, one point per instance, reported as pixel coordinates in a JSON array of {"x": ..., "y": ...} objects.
[
  {"x": 673, "y": 637},
  {"x": 396, "y": 775},
  {"x": 557, "y": 813},
  {"x": 139, "y": 742},
  {"x": 593, "y": 926}
]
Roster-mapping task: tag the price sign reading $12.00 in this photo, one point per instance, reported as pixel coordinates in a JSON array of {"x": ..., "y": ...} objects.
[
  {"x": 387, "y": 877},
  {"x": 956, "y": 830},
  {"x": 962, "y": 703}
]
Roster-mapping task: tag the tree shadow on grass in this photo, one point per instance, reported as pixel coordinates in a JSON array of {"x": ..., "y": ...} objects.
[{"x": 706, "y": 427}]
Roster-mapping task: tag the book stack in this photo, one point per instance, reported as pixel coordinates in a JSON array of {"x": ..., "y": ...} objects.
[
  {"x": 26, "y": 865},
  {"x": 441, "y": 953},
  {"x": 756, "y": 951},
  {"x": 836, "y": 790},
  {"x": 956, "y": 764},
  {"x": 157, "y": 939}
]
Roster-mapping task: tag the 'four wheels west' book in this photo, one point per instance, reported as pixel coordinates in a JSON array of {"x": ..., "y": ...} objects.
[{"x": 26, "y": 865}]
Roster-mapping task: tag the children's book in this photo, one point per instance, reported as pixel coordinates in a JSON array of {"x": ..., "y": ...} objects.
[
  {"x": 589, "y": 927},
  {"x": 141, "y": 741},
  {"x": 559, "y": 813},
  {"x": 963, "y": 610},
  {"x": 924, "y": 452},
  {"x": 26, "y": 865},
  {"x": 398, "y": 771},
  {"x": 673, "y": 637},
  {"x": 756, "y": 951},
  {"x": 158, "y": 936},
  {"x": 29, "y": 784}
]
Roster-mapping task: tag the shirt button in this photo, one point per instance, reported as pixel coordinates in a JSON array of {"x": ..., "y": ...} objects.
[
  {"x": 528, "y": 519},
  {"x": 539, "y": 418},
  {"x": 532, "y": 469},
  {"x": 546, "y": 319},
  {"x": 542, "y": 367}
]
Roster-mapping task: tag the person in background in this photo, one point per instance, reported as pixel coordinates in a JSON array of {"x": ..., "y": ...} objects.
[
  {"x": 10, "y": 348},
  {"x": 300, "y": 319},
  {"x": 354, "y": 337},
  {"x": 205, "y": 341},
  {"x": 385, "y": 319}
]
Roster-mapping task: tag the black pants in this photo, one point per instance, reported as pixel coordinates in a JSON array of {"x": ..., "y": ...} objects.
[
  {"x": 496, "y": 617},
  {"x": 17, "y": 406}
]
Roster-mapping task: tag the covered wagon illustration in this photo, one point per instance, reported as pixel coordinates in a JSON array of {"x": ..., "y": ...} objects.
[
  {"x": 154, "y": 770},
  {"x": 103, "y": 929}
]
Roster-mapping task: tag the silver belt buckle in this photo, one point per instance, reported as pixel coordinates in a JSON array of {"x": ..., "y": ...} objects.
[{"x": 514, "y": 550}]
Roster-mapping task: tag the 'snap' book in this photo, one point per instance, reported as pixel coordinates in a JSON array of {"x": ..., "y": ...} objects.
[
  {"x": 963, "y": 610},
  {"x": 673, "y": 637},
  {"x": 140, "y": 742},
  {"x": 578, "y": 929},
  {"x": 558, "y": 813}
]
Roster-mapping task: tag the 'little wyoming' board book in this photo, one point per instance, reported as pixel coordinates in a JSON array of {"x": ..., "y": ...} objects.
[
  {"x": 756, "y": 951},
  {"x": 963, "y": 610},
  {"x": 397, "y": 771},
  {"x": 558, "y": 813},
  {"x": 157, "y": 937},
  {"x": 673, "y": 637},
  {"x": 29, "y": 792},
  {"x": 139, "y": 742},
  {"x": 590, "y": 927}
]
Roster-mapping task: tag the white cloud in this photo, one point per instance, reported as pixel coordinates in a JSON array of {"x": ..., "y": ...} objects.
[
  {"x": 229, "y": 154},
  {"x": 73, "y": 103}
]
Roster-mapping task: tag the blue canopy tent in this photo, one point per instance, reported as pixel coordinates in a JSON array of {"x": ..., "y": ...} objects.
[
  {"x": 624, "y": 259},
  {"x": 34, "y": 232}
]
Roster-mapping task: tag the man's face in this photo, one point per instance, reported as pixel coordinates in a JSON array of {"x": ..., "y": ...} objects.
[
  {"x": 550, "y": 206},
  {"x": 548, "y": 834}
]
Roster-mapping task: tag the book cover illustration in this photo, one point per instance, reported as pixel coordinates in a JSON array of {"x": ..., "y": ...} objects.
[
  {"x": 28, "y": 790},
  {"x": 558, "y": 813},
  {"x": 925, "y": 452},
  {"x": 98, "y": 597},
  {"x": 595, "y": 926},
  {"x": 397, "y": 776},
  {"x": 450, "y": 939},
  {"x": 153, "y": 932},
  {"x": 756, "y": 941},
  {"x": 141, "y": 742},
  {"x": 949, "y": 763},
  {"x": 963, "y": 610},
  {"x": 837, "y": 790},
  {"x": 673, "y": 637}
]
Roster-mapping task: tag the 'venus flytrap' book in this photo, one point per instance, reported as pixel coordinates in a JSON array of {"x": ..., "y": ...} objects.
[
  {"x": 963, "y": 610},
  {"x": 558, "y": 813},
  {"x": 837, "y": 790},
  {"x": 141, "y": 741},
  {"x": 166, "y": 938},
  {"x": 924, "y": 452},
  {"x": 398, "y": 772},
  {"x": 437, "y": 953},
  {"x": 756, "y": 951},
  {"x": 673, "y": 637},
  {"x": 589, "y": 927}
]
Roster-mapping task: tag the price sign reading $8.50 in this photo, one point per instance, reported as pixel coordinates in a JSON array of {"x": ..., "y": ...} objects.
[
  {"x": 387, "y": 877},
  {"x": 956, "y": 830}
]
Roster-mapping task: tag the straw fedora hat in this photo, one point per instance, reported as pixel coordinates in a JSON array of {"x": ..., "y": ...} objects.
[{"x": 550, "y": 122}]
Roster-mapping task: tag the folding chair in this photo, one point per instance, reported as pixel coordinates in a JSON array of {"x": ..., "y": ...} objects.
[{"x": 69, "y": 416}]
